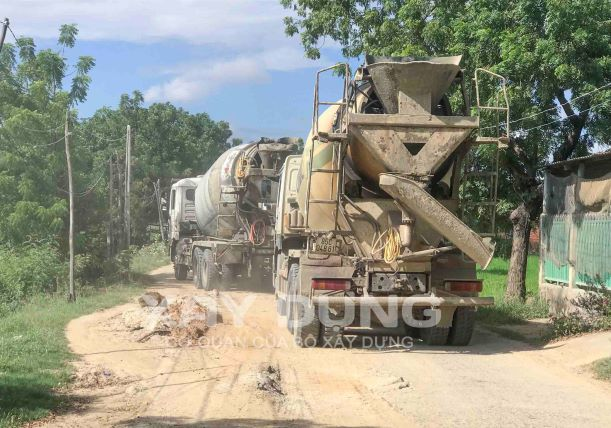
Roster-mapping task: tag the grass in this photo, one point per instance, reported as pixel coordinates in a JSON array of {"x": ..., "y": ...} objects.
[
  {"x": 150, "y": 257},
  {"x": 34, "y": 354},
  {"x": 602, "y": 369},
  {"x": 495, "y": 282}
]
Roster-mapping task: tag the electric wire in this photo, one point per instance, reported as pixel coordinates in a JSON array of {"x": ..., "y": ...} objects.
[
  {"x": 560, "y": 105},
  {"x": 85, "y": 192},
  {"x": 47, "y": 145},
  {"x": 98, "y": 136},
  {"x": 558, "y": 120},
  {"x": 555, "y": 108},
  {"x": 14, "y": 36},
  {"x": 42, "y": 131}
]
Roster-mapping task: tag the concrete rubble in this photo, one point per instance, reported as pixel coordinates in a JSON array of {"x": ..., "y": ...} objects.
[{"x": 185, "y": 319}]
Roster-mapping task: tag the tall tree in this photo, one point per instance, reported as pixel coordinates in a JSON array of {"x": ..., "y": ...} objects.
[
  {"x": 33, "y": 106},
  {"x": 169, "y": 142},
  {"x": 554, "y": 52}
]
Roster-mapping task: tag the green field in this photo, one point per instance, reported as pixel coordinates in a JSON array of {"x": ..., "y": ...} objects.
[
  {"x": 34, "y": 354},
  {"x": 495, "y": 282}
]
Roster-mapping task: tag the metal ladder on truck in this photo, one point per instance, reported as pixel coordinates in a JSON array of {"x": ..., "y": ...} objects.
[
  {"x": 337, "y": 140},
  {"x": 226, "y": 218},
  {"x": 496, "y": 140}
]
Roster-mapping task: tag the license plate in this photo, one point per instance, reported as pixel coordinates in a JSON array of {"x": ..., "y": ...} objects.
[{"x": 326, "y": 245}]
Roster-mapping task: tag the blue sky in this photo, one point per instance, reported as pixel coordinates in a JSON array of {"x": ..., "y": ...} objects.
[{"x": 228, "y": 58}]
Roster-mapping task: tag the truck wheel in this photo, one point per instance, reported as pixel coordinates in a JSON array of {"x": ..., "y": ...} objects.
[
  {"x": 306, "y": 335},
  {"x": 195, "y": 263},
  {"x": 280, "y": 306},
  {"x": 180, "y": 272},
  {"x": 207, "y": 271},
  {"x": 292, "y": 285},
  {"x": 229, "y": 273},
  {"x": 434, "y": 336},
  {"x": 462, "y": 326}
]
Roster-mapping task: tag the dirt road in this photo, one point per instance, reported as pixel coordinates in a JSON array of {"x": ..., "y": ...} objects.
[{"x": 494, "y": 381}]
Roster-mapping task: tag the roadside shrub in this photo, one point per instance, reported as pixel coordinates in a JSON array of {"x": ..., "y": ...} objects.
[
  {"x": 513, "y": 312},
  {"x": 593, "y": 313},
  {"x": 149, "y": 257},
  {"x": 26, "y": 271}
]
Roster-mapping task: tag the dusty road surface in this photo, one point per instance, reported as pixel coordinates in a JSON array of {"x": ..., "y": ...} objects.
[{"x": 493, "y": 382}]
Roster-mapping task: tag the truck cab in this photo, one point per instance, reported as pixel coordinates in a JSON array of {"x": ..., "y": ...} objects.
[{"x": 182, "y": 222}]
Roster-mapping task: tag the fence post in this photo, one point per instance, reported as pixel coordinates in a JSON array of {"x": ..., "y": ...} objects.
[
  {"x": 573, "y": 230},
  {"x": 541, "y": 218}
]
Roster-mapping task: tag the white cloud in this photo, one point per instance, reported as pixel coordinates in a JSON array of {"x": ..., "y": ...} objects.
[
  {"x": 198, "y": 80},
  {"x": 229, "y": 23},
  {"x": 249, "y": 34}
]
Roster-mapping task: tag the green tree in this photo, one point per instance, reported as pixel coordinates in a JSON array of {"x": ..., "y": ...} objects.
[
  {"x": 168, "y": 143},
  {"x": 552, "y": 51},
  {"x": 36, "y": 89},
  {"x": 33, "y": 105}
]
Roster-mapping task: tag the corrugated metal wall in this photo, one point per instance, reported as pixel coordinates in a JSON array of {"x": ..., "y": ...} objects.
[{"x": 593, "y": 248}]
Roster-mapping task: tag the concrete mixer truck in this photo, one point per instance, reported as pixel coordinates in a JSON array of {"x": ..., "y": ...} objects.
[
  {"x": 233, "y": 207},
  {"x": 368, "y": 234}
]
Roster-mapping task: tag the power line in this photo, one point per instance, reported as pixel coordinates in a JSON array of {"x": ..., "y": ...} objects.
[
  {"x": 98, "y": 137},
  {"x": 558, "y": 120},
  {"x": 554, "y": 108},
  {"x": 47, "y": 145},
  {"x": 85, "y": 192},
  {"x": 560, "y": 105},
  {"x": 42, "y": 131},
  {"x": 11, "y": 31}
]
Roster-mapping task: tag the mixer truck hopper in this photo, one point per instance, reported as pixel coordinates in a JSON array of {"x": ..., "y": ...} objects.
[{"x": 368, "y": 234}]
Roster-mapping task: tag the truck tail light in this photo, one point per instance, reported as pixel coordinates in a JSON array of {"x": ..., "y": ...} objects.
[
  {"x": 331, "y": 284},
  {"x": 464, "y": 286}
]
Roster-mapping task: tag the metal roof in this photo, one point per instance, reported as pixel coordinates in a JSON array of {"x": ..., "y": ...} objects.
[{"x": 590, "y": 158}]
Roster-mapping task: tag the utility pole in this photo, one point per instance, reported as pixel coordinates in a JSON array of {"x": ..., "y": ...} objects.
[
  {"x": 159, "y": 212},
  {"x": 109, "y": 231},
  {"x": 128, "y": 177},
  {"x": 5, "y": 24},
  {"x": 120, "y": 234},
  {"x": 71, "y": 295}
]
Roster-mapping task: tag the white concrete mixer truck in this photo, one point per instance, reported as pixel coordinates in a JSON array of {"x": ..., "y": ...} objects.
[
  {"x": 233, "y": 209},
  {"x": 368, "y": 234}
]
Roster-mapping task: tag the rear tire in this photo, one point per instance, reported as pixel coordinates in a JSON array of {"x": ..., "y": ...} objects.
[
  {"x": 229, "y": 273},
  {"x": 435, "y": 336},
  {"x": 180, "y": 272},
  {"x": 207, "y": 271},
  {"x": 462, "y": 326},
  {"x": 196, "y": 262},
  {"x": 305, "y": 335},
  {"x": 292, "y": 285}
]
